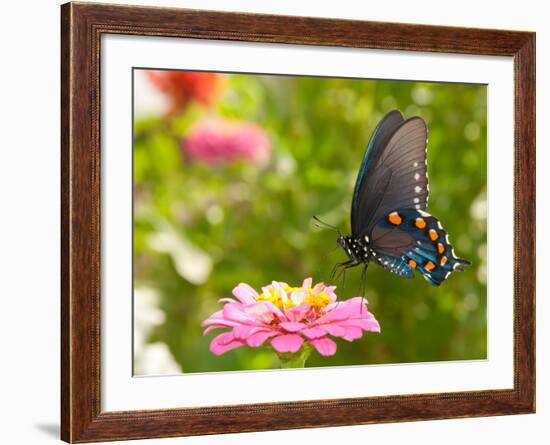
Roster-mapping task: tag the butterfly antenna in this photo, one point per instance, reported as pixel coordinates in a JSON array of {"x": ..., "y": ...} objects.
[{"x": 326, "y": 225}]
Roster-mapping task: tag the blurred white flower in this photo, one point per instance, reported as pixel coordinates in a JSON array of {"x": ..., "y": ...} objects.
[
  {"x": 422, "y": 95},
  {"x": 191, "y": 263},
  {"x": 148, "y": 100},
  {"x": 154, "y": 358},
  {"x": 472, "y": 131},
  {"x": 147, "y": 314},
  {"x": 482, "y": 273},
  {"x": 286, "y": 165},
  {"x": 478, "y": 209},
  {"x": 214, "y": 214}
]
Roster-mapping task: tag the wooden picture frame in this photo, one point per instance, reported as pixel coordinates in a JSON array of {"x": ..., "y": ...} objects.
[{"x": 82, "y": 26}]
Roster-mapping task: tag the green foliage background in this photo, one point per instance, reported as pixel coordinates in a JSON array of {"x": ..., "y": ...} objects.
[{"x": 255, "y": 222}]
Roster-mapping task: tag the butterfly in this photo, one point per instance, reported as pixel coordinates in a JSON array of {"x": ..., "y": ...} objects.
[{"x": 389, "y": 222}]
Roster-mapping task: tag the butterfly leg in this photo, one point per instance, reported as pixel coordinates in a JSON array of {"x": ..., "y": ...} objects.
[
  {"x": 344, "y": 278},
  {"x": 341, "y": 266},
  {"x": 342, "y": 272},
  {"x": 364, "y": 279},
  {"x": 363, "y": 282}
]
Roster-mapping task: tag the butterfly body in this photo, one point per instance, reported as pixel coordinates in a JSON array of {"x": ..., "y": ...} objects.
[{"x": 390, "y": 225}]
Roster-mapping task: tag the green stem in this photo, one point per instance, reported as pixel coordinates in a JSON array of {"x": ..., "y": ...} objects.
[{"x": 295, "y": 359}]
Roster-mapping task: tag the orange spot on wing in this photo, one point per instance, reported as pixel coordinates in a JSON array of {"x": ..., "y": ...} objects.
[
  {"x": 429, "y": 266},
  {"x": 443, "y": 260},
  {"x": 433, "y": 234},
  {"x": 420, "y": 223},
  {"x": 440, "y": 248},
  {"x": 395, "y": 218},
  {"x": 412, "y": 263}
]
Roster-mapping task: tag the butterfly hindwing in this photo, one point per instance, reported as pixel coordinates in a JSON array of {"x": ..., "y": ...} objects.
[
  {"x": 396, "y": 265},
  {"x": 417, "y": 239},
  {"x": 393, "y": 172}
]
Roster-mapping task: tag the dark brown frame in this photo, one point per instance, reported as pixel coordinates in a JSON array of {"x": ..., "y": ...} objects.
[{"x": 81, "y": 28}]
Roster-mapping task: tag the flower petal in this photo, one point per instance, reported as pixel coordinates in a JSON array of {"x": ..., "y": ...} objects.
[
  {"x": 315, "y": 332},
  {"x": 325, "y": 346},
  {"x": 365, "y": 324},
  {"x": 236, "y": 312},
  {"x": 227, "y": 300},
  {"x": 329, "y": 290},
  {"x": 217, "y": 314},
  {"x": 245, "y": 294},
  {"x": 226, "y": 337},
  {"x": 338, "y": 313},
  {"x": 297, "y": 313},
  {"x": 307, "y": 283},
  {"x": 352, "y": 333},
  {"x": 275, "y": 310},
  {"x": 213, "y": 327},
  {"x": 243, "y": 332},
  {"x": 260, "y": 312},
  {"x": 343, "y": 310},
  {"x": 258, "y": 338},
  {"x": 220, "y": 321},
  {"x": 291, "y": 326},
  {"x": 298, "y": 296},
  {"x": 332, "y": 329},
  {"x": 287, "y": 343},
  {"x": 318, "y": 288},
  {"x": 222, "y": 343}
]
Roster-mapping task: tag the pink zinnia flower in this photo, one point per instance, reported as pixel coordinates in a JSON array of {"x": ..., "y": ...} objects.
[
  {"x": 183, "y": 86},
  {"x": 220, "y": 141},
  {"x": 288, "y": 317}
]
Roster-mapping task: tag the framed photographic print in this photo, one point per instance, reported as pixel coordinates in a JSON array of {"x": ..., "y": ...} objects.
[{"x": 275, "y": 222}]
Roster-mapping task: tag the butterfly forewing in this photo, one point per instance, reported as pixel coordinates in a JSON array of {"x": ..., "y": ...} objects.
[
  {"x": 378, "y": 141},
  {"x": 394, "y": 174}
]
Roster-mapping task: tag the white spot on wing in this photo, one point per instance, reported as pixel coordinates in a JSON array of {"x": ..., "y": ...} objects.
[
  {"x": 415, "y": 164},
  {"x": 418, "y": 189},
  {"x": 423, "y": 213},
  {"x": 416, "y": 200},
  {"x": 416, "y": 176}
]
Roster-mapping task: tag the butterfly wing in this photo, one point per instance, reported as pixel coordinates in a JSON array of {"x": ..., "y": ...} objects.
[
  {"x": 396, "y": 265},
  {"x": 393, "y": 172},
  {"x": 416, "y": 239},
  {"x": 379, "y": 139}
]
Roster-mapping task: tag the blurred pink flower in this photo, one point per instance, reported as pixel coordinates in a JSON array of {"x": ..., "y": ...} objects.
[
  {"x": 218, "y": 141},
  {"x": 287, "y": 317},
  {"x": 183, "y": 86}
]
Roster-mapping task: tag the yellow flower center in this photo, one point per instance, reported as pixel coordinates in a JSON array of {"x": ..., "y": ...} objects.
[{"x": 287, "y": 297}]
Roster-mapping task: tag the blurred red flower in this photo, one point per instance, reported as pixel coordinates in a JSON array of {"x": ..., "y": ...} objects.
[
  {"x": 225, "y": 140},
  {"x": 183, "y": 86}
]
